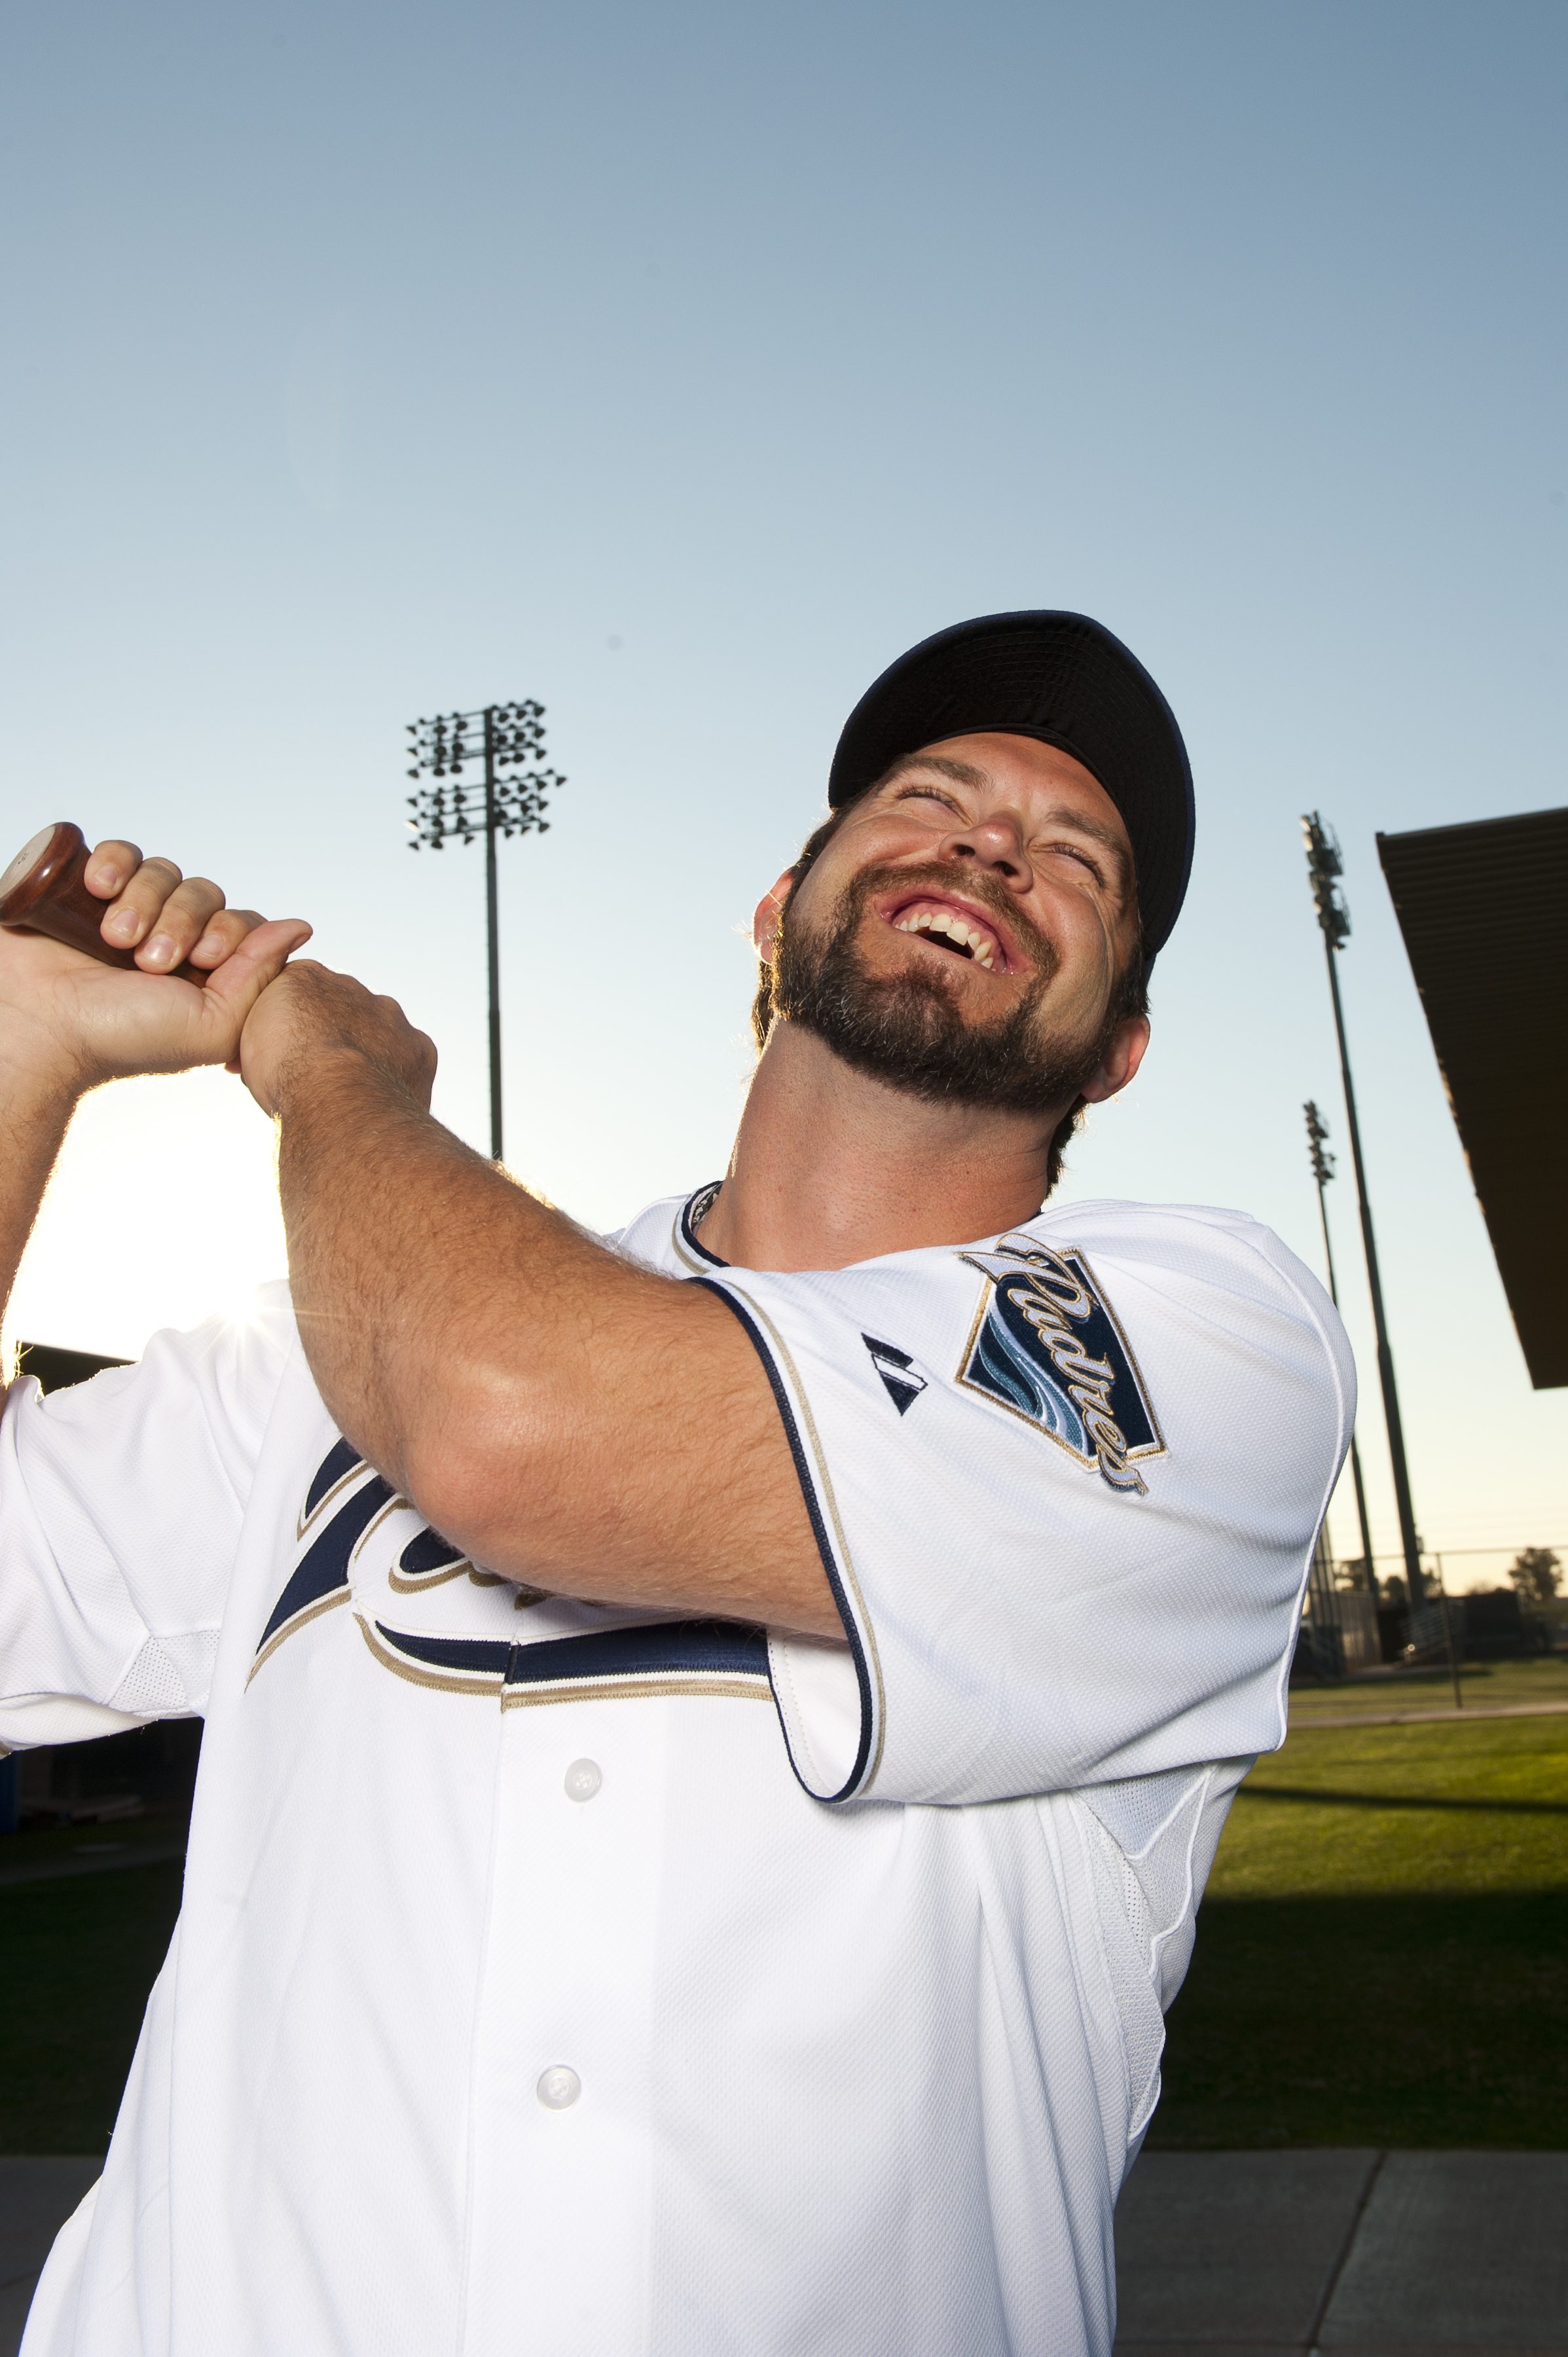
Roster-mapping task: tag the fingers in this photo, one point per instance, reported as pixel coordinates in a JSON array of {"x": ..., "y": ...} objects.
[
  {"x": 222, "y": 934},
  {"x": 165, "y": 917},
  {"x": 113, "y": 864},
  {"x": 258, "y": 959}
]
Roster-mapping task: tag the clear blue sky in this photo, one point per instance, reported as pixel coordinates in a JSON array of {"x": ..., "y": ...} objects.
[{"x": 680, "y": 366}]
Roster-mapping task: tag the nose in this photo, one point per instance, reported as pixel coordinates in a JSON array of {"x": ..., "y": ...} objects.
[{"x": 995, "y": 842}]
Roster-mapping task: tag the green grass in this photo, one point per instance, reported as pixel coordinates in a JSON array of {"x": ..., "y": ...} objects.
[
  {"x": 77, "y": 1960},
  {"x": 1483, "y": 1685},
  {"x": 1382, "y": 1957}
]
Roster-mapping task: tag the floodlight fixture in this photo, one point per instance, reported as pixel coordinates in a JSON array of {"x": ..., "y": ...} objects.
[{"x": 489, "y": 781}]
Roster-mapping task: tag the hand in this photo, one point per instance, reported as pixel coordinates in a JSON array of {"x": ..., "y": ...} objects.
[
  {"x": 308, "y": 1016},
  {"x": 68, "y": 1022}
]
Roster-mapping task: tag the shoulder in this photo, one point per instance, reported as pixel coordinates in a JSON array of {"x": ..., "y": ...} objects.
[
  {"x": 239, "y": 1354},
  {"x": 1197, "y": 1242},
  {"x": 1103, "y": 1325},
  {"x": 661, "y": 1237},
  {"x": 1190, "y": 1245}
]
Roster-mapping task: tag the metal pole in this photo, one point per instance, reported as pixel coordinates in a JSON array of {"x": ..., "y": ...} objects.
[
  {"x": 1448, "y": 1634},
  {"x": 492, "y": 912},
  {"x": 1413, "y": 1584},
  {"x": 1323, "y": 862},
  {"x": 1316, "y": 1133}
]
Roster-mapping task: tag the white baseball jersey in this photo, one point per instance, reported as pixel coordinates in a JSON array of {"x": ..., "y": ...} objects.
[{"x": 556, "y": 1976}]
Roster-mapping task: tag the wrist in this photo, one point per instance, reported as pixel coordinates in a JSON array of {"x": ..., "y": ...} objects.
[
  {"x": 44, "y": 1093},
  {"x": 331, "y": 1076}
]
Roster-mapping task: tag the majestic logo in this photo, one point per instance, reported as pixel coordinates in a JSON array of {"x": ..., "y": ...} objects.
[
  {"x": 896, "y": 1369},
  {"x": 1046, "y": 1346}
]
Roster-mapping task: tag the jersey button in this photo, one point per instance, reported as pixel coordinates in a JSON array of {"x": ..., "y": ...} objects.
[
  {"x": 582, "y": 1779},
  {"x": 558, "y": 2088}
]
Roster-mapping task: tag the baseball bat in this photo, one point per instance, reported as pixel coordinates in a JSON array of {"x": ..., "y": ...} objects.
[{"x": 43, "y": 891}]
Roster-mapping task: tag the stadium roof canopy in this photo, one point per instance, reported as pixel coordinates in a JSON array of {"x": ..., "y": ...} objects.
[{"x": 1484, "y": 911}]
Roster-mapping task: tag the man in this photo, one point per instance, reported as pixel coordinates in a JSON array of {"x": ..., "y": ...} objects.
[{"x": 714, "y": 1740}]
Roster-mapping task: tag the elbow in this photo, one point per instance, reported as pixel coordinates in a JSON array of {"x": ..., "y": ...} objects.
[{"x": 484, "y": 1467}]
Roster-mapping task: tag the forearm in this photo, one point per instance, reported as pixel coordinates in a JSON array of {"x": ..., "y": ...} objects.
[
  {"x": 36, "y": 1108},
  {"x": 566, "y": 1417},
  {"x": 398, "y": 1239}
]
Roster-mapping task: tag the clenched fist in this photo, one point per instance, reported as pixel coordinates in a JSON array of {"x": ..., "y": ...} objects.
[
  {"x": 308, "y": 1016},
  {"x": 67, "y": 1023}
]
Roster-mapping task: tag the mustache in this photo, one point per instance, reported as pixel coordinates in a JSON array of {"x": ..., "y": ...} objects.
[{"x": 969, "y": 884}]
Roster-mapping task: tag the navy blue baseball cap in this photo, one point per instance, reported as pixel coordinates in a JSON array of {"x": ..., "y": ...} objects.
[{"x": 1067, "y": 680}]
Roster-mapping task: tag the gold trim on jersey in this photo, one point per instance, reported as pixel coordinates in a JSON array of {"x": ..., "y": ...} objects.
[
  {"x": 643, "y": 1685},
  {"x": 295, "y": 1622},
  {"x": 303, "y": 1521},
  {"x": 608, "y": 1687},
  {"x": 445, "y": 1680},
  {"x": 395, "y": 1505}
]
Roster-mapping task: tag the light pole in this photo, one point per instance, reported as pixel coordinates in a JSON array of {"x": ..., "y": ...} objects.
[
  {"x": 1324, "y": 867},
  {"x": 1323, "y": 1171},
  {"x": 508, "y": 738}
]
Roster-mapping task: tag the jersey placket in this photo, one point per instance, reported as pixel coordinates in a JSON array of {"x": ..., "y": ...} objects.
[{"x": 560, "y": 2137}]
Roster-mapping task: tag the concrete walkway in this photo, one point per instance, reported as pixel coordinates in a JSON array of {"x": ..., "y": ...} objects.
[
  {"x": 1253, "y": 2254},
  {"x": 36, "y": 2197},
  {"x": 1361, "y": 2254}
]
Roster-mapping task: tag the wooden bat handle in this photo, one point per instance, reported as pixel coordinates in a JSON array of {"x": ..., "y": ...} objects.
[{"x": 43, "y": 891}]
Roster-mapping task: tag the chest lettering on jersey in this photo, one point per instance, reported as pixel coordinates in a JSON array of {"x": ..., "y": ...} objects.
[
  {"x": 1046, "y": 1345},
  {"x": 347, "y": 1503},
  {"x": 320, "y": 1578}
]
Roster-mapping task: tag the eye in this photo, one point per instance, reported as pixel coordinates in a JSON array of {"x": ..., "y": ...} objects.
[
  {"x": 926, "y": 794},
  {"x": 1084, "y": 859}
]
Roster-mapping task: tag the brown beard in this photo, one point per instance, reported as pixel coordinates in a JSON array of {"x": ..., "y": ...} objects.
[{"x": 909, "y": 1029}]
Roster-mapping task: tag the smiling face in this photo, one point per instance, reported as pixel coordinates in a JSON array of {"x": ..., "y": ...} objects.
[{"x": 964, "y": 931}]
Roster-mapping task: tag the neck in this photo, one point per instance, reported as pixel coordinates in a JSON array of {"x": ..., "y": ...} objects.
[{"x": 830, "y": 1167}]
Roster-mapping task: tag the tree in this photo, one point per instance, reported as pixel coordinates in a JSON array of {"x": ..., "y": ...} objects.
[{"x": 1537, "y": 1575}]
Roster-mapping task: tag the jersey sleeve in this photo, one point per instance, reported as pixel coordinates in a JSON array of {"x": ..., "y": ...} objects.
[
  {"x": 1066, "y": 1491},
  {"x": 121, "y": 1505}
]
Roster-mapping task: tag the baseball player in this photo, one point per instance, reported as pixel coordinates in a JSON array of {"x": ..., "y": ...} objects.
[{"x": 714, "y": 1738}]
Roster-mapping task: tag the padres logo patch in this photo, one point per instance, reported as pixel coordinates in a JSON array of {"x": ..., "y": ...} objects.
[{"x": 1046, "y": 1346}]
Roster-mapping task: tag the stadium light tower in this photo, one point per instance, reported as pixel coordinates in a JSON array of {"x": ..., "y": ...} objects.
[
  {"x": 508, "y": 739},
  {"x": 1323, "y": 1171},
  {"x": 1324, "y": 867}
]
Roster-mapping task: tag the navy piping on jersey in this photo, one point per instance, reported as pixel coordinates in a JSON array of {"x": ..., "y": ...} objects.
[
  {"x": 819, "y": 1531},
  {"x": 664, "y": 1648},
  {"x": 325, "y": 1565},
  {"x": 702, "y": 1203}
]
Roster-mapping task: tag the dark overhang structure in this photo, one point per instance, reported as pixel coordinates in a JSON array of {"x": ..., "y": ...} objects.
[{"x": 1484, "y": 911}]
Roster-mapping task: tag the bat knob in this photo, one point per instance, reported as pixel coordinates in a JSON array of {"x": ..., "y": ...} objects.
[{"x": 44, "y": 890}]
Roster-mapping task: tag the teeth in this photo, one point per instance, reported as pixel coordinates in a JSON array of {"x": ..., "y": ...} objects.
[{"x": 939, "y": 920}]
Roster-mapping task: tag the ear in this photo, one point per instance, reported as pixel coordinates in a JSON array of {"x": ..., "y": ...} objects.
[
  {"x": 1123, "y": 1058},
  {"x": 765, "y": 923}
]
